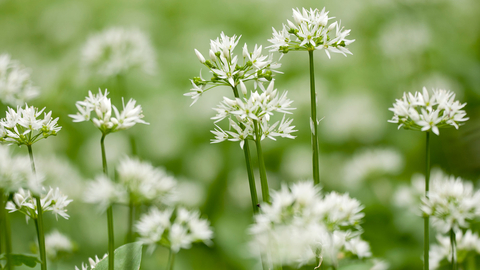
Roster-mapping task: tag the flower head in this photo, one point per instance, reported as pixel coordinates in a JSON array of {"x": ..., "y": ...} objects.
[
  {"x": 116, "y": 51},
  {"x": 92, "y": 263},
  {"x": 428, "y": 112},
  {"x": 104, "y": 192},
  {"x": 310, "y": 30},
  {"x": 15, "y": 172},
  {"x": 16, "y": 87},
  {"x": 468, "y": 244},
  {"x": 24, "y": 127},
  {"x": 104, "y": 120},
  {"x": 57, "y": 244}
]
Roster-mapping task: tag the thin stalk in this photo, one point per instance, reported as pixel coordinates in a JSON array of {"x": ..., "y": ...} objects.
[
  {"x": 453, "y": 242},
  {"x": 248, "y": 161},
  {"x": 261, "y": 164},
  {"x": 313, "y": 122},
  {"x": 171, "y": 260},
  {"x": 6, "y": 230},
  {"x": 111, "y": 243},
  {"x": 131, "y": 218},
  {"x": 426, "y": 225},
  {"x": 39, "y": 219}
]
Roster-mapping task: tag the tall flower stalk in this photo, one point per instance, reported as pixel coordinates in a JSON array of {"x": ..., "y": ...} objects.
[
  {"x": 5, "y": 235},
  {"x": 310, "y": 31},
  {"x": 106, "y": 123},
  {"x": 428, "y": 112}
]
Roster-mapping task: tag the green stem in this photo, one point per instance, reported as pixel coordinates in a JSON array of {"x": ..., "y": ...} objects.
[
  {"x": 453, "y": 242},
  {"x": 426, "y": 225},
  {"x": 248, "y": 161},
  {"x": 6, "y": 230},
  {"x": 111, "y": 244},
  {"x": 313, "y": 122},
  {"x": 171, "y": 260},
  {"x": 261, "y": 164},
  {"x": 39, "y": 219},
  {"x": 131, "y": 218}
]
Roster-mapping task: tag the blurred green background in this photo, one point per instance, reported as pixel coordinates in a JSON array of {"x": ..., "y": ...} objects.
[{"x": 401, "y": 45}]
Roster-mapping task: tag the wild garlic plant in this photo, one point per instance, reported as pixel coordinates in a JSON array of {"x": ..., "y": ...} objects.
[
  {"x": 16, "y": 86},
  {"x": 311, "y": 31},
  {"x": 303, "y": 226},
  {"x": 227, "y": 71},
  {"x": 174, "y": 228},
  {"x": 107, "y": 123},
  {"x": 24, "y": 127},
  {"x": 250, "y": 118},
  {"x": 428, "y": 112}
]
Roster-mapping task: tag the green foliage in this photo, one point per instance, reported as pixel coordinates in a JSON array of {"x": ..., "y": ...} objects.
[
  {"x": 19, "y": 259},
  {"x": 127, "y": 257}
]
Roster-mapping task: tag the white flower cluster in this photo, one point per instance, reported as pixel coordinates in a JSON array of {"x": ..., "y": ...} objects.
[
  {"x": 301, "y": 225},
  {"x": 371, "y": 163},
  {"x": 23, "y": 128},
  {"x": 52, "y": 201},
  {"x": 253, "y": 115},
  {"x": 467, "y": 244},
  {"x": 102, "y": 106},
  {"x": 15, "y": 172},
  {"x": 116, "y": 51},
  {"x": 57, "y": 244},
  {"x": 16, "y": 87},
  {"x": 420, "y": 111},
  {"x": 175, "y": 232},
  {"x": 310, "y": 30},
  {"x": 224, "y": 66},
  {"x": 92, "y": 263},
  {"x": 138, "y": 182},
  {"x": 452, "y": 203}
]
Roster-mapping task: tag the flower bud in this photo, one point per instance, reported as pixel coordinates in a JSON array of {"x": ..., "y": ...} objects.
[
  {"x": 243, "y": 88},
  {"x": 200, "y": 56}
]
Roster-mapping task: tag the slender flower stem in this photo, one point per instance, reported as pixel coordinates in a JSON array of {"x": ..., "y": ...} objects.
[
  {"x": 261, "y": 164},
  {"x": 453, "y": 242},
  {"x": 171, "y": 260},
  {"x": 111, "y": 244},
  {"x": 313, "y": 122},
  {"x": 426, "y": 234},
  {"x": 6, "y": 230},
  {"x": 248, "y": 161},
  {"x": 131, "y": 218}
]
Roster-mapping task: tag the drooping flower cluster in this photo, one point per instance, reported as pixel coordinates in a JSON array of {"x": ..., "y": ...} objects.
[
  {"x": 301, "y": 225},
  {"x": 452, "y": 203},
  {"x": 138, "y": 182},
  {"x": 92, "y": 263},
  {"x": 52, "y": 201},
  {"x": 16, "y": 87},
  {"x": 467, "y": 245},
  {"x": 425, "y": 112},
  {"x": 104, "y": 120},
  {"x": 310, "y": 30},
  {"x": 226, "y": 69},
  {"x": 116, "y": 51},
  {"x": 175, "y": 232},
  {"x": 23, "y": 127},
  {"x": 15, "y": 172},
  {"x": 57, "y": 245},
  {"x": 249, "y": 117}
]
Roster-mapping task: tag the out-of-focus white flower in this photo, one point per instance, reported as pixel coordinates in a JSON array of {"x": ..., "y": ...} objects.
[
  {"x": 249, "y": 118},
  {"x": 379, "y": 265},
  {"x": 116, "y": 51},
  {"x": 451, "y": 203},
  {"x": 144, "y": 183},
  {"x": 15, "y": 172},
  {"x": 179, "y": 232},
  {"x": 301, "y": 225},
  {"x": 92, "y": 263},
  {"x": 16, "y": 87},
  {"x": 52, "y": 201},
  {"x": 373, "y": 162},
  {"x": 310, "y": 31},
  {"x": 425, "y": 112},
  {"x": 104, "y": 120},
  {"x": 104, "y": 192},
  {"x": 227, "y": 70},
  {"x": 57, "y": 244},
  {"x": 404, "y": 38},
  {"x": 23, "y": 127},
  {"x": 468, "y": 244}
]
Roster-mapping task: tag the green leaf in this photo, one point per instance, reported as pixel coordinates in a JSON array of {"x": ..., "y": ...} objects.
[
  {"x": 19, "y": 259},
  {"x": 127, "y": 257},
  {"x": 358, "y": 265}
]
